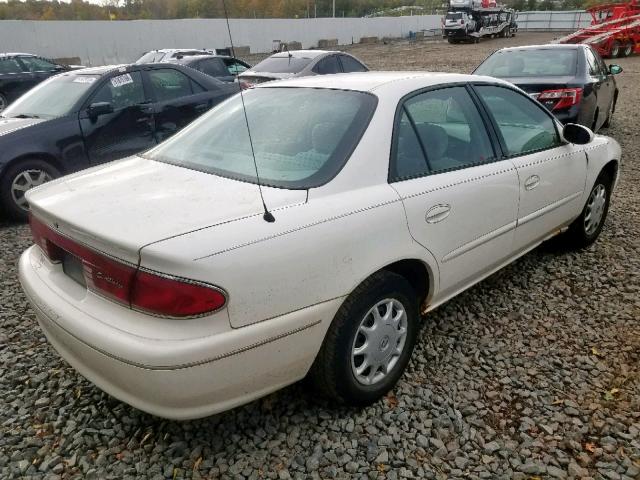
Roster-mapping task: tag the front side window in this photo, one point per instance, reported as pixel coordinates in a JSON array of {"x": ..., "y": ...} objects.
[
  {"x": 169, "y": 84},
  {"x": 525, "y": 127},
  {"x": 121, "y": 91},
  {"x": 448, "y": 129},
  {"x": 301, "y": 136},
  {"x": 327, "y": 65},
  {"x": 9, "y": 65},
  {"x": 35, "y": 64}
]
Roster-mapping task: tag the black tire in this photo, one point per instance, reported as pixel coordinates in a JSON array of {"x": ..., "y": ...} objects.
[
  {"x": 594, "y": 122},
  {"x": 627, "y": 50},
  {"x": 615, "y": 50},
  {"x": 30, "y": 166},
  {"x": 3, "y": 102},
  {"x": 332, "y": 373},
  {"x": 579, "y": 236}
]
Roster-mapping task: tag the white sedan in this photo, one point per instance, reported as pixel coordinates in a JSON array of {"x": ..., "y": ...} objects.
[{"x": 162, "y": 279}]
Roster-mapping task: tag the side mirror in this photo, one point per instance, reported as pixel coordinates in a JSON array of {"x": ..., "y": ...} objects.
[
  {"x": 615, "y": 69},
  {"x": 577, "y": 134},
  {"x": 99, "y": 108}
]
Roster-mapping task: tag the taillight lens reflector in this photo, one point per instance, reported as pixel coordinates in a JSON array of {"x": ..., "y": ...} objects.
[
  {"x": 561, "y": 98},
  {"x": 127, "y": 284}
]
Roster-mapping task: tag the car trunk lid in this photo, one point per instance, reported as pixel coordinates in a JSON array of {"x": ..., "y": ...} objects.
[{"x": 120, "y": 207}]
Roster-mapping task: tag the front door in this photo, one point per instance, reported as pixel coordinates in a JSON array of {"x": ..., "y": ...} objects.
[
  {"x": 552, "y": 174},
  {"x": 461, "y": 201},
  {"x": 127, "y": 130}
]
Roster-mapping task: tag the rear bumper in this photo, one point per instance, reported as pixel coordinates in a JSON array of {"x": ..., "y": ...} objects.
[{"x": 240, "y": 365}]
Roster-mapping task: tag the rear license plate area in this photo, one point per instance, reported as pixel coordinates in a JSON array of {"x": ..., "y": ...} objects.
[{"x": 72, "y": 267}]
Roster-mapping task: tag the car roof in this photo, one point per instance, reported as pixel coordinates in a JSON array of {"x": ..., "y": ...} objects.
[
  {"x": 302, "y": 53},
  {"x": 123, "y": 68},
  {"x": 172, "y": 50},
  {"x": 547, "y": 46},
  {"x": 17, "y": 54},
  {"x": 195, "y": 58},
  {"x": 370, "y": 81}
]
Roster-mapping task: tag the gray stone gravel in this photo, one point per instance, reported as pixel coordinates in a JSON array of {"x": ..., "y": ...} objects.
[{"x": 534, "y": 373}]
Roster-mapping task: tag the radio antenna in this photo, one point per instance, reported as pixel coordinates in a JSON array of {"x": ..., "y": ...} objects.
[{"x": 268, "y": 216}]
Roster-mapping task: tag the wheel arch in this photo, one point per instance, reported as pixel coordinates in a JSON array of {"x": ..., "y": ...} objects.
[
  {"x": 47, "y": 157},
  {"x": 611, "y": 170}
]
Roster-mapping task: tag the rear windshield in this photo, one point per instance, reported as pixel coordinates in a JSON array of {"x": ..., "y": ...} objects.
[
  {"x": 282, "y": 65},
  {"x": 530, "y": 63},
  {"x": 301, "y": 136},
  {"x": 454, "y": 16},
  {"x": 151, "y": 57}
]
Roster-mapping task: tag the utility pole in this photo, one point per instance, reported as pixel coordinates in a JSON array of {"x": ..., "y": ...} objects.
[{"x": 334, "y": 8}]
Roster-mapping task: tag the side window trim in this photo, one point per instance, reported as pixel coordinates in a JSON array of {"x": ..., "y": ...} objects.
[
  {"x": 400, "y": 109},
  {"x": 503, "y": 144}
]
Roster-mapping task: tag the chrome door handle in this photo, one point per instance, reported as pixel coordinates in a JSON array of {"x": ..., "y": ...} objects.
[
  {"x": 437, "y": 213},
  {"x": 532, "y": 182}
]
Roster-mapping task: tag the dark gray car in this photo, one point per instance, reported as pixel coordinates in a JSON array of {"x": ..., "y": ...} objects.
[
  {"x": 301, "y": 63},
  {"x": 222, "y": 67}
]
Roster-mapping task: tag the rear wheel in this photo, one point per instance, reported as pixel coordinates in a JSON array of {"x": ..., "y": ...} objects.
[
  {"x": 612, "y": 108},
  {"x": 587, "y": 227},
  {"x": 3, "y": 102},
  {"x": 627, "y": 50},
  {"x": 369, "y": 342},
  {"x": 20, "y": 178}
]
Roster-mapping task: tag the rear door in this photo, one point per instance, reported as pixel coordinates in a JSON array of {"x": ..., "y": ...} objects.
[
  {"x": 552, "y": 174},
  {"x": 127, "y": 130},
  {"x": 460, "y": 198},
  {"x": 178, "y": 99}
]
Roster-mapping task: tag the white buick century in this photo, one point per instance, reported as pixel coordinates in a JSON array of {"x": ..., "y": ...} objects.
[{"x": 167, "y": 281}]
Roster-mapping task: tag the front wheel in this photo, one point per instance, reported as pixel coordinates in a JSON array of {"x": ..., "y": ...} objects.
[
  {"x": 3, "y": 102},
  {"x": 20, "y": 178},
  {"x": 587, "y": 227},
  {"x": 369, "y": 342}
]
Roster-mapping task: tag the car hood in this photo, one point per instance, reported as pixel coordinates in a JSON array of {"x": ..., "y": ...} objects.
[
  {"x": 120, "y": 207},
  {"x": 9, "y": 125}
]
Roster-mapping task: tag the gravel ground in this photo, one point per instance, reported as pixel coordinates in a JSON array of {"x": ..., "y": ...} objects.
[{"x": 532, "y": 374}]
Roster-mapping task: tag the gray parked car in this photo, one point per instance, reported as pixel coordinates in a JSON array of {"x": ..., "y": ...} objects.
[{"x": 301, "y": 63}]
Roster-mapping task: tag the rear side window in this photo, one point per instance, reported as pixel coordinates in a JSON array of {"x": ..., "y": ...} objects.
[
  {"x": 169, "y": 84},
  {"x": 121, "y": 91},
  {"x": 448, "y": 129},
  {"x": 350, "y": 64},
  {"x": 9, "y": 65},
  {"x": 525, "y": 127},
  {"x": 234, "y": 66},
  {"x": 327, "y": 65},
  {"x": 213, "y": 67}
]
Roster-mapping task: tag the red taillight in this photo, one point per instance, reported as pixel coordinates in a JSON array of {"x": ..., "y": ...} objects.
[
  {"x": 562, "y": 98},
  {"x": 175, "y": 298},
  {"x": 127, "y": 284}
]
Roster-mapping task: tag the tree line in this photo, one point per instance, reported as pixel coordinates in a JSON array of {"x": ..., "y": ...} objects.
[{"x": 169, "y": 9}]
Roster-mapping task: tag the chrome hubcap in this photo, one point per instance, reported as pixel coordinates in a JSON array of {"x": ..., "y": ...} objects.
[
  {"x": 595, "y": 209},
  {"x": 24, "y": 181},
  {"x": 379, "y": 341}
]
